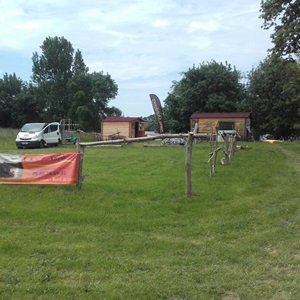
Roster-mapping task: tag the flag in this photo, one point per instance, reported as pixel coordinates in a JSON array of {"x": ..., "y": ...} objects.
[{"x": 158, "y": 112}]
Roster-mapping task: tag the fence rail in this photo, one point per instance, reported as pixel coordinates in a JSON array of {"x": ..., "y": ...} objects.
[{"x": 188, "y": 137}]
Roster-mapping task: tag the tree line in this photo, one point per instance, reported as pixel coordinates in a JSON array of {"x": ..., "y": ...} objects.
[
  {"x": 271, "y": 92},
  {"x": 61, "y": 85}
]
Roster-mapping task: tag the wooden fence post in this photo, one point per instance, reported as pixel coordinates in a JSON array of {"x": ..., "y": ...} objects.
[
  {"x": 79, "y": 166},
  {"x": 212, "y": 160},
  {"x": 217, "y": 135},
  {"x": 226, "y": 151},
  {"x": 217, "y": 149},
  {"x": 231, "y": 151},
  {"x": 188, "y": 161}
]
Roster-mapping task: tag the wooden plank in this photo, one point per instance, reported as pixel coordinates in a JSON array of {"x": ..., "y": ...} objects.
[{"x": 141, "y": 139}]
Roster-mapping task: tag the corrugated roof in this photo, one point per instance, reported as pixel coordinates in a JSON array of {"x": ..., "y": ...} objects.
[
  {"x": 220, "y": 115},
  {"x": 122, "y": 119}
]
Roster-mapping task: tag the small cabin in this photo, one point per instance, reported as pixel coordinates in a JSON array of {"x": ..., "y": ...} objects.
[
  {"x": 239, "y": 122},
  {"x": 113, "y": 128}
]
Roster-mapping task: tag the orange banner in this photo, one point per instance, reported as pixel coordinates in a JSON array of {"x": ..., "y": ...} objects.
[{"x": 52, "y": 168}]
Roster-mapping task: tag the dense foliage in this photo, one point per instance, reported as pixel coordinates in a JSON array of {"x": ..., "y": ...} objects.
[
  {"x": 51, "y": 73},
  {"x": 89, "y": 95},
  {"x": 274, "y": 96},
  {"x": 208, "y": 88},
  {"x": 17, "y": 102},
  {"x": 284, "y": 17}
]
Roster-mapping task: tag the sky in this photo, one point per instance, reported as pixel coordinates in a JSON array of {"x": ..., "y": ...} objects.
[{"x": 144, "y": 45}]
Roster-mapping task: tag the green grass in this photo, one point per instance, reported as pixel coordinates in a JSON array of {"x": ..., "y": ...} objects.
[{"x": 130, "y": 233}]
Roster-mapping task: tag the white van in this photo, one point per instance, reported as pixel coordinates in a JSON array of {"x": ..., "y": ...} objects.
[{"x": 39, "y": 135}]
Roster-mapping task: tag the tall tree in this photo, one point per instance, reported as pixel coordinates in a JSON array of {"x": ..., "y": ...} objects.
[
  {"x": 211, "y": 87},
  {"x": 51, "y": 73},
  {"x": 284, "y": 17},
  {"x": 104, "y": 88},
  {"x": 89, "y": 95},
  {"x": 274, "y": 91},
  {"x": 65, "y": 88},
  {"x": 79, "y": 64}
]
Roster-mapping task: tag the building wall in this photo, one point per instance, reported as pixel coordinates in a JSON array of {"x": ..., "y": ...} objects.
[
  {"x": 209, "y": 125},
  {"x": 127, "y": 129},
  {"x": 110, "y": 128}
]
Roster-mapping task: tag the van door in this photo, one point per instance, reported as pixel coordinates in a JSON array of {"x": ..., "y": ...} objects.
[{"x": 52, "y": 134}]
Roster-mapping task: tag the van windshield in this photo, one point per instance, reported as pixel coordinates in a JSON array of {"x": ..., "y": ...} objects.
[{"x": 33, "y": 127}]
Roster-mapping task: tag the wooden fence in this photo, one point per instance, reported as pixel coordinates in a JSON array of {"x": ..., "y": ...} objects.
[{"x": 229, "y": 144}]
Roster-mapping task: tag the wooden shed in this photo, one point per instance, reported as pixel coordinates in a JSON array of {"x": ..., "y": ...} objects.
[
  {"x": 225, "y": 121},
  {"x": 122, "y": 127}
]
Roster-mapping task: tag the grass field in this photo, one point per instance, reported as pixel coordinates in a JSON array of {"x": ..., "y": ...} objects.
[{"x": 130, "y": 233}]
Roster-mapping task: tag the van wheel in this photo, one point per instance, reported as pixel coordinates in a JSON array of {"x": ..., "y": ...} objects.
[
  {"x": 59, "y": 142},
  {"x": 42, "y": 144}
]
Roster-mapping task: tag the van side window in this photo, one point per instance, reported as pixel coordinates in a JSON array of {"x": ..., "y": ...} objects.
[
  {"x": 46, "y": 130},
  {"x": 53, "y": 127}
]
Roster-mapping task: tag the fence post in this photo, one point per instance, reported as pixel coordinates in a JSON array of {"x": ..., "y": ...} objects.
[
  {"x": 79, "y": 166},
  {"x": 226, "y": 151},
  {"x": 188, "y": 168}
]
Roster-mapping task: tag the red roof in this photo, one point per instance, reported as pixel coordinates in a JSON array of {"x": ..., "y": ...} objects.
[
  {"x": 222, "y": 115},
  {"x": 122, "y": 119}
]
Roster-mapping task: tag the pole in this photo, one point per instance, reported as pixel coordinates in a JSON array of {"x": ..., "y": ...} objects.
[
  {"x": 79, "y": 166},
  {"x": 188, "y": 171}
]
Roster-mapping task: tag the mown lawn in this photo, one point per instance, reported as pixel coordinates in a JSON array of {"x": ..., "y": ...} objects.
[{"x": 130, "y": 233}]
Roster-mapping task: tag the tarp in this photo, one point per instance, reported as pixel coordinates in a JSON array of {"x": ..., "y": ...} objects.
[{"x": 52, "y": 168}]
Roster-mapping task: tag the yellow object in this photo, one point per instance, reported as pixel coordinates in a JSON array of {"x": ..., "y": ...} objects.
[{"x": 271, "y": 141}]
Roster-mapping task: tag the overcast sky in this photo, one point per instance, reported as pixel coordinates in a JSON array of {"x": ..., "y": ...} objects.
[{"x": 144, "y": 45}]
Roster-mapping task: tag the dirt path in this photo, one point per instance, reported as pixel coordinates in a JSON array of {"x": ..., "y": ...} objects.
[{"x": 291, "y": 155}]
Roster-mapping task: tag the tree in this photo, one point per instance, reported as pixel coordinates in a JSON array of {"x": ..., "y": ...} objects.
[
  {"x": 65, "y": 88},
  {"x": 274, "y": 95},
  {"x": 89, "y": 95},
  {"x": 51, "y": 73},
  {"x": 17, "y": 102},
  {"x": 211, "y": 87},
  {"x": 26, "y": 107},
  {"x": 151, "y": 123},
  {"x": 80, "y": 93},
  {"x": 10, "y": 87},
  {"x": 104, "y": 88},
  {"x": 112, "y": 112},
  {"x": 78, "y": 64},
  {"x": 284, "y": 17}
]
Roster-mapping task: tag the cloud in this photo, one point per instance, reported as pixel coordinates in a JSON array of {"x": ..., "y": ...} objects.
[
  {"x": 144, "y": 44},
  {"x": 209, "y": 26}
]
